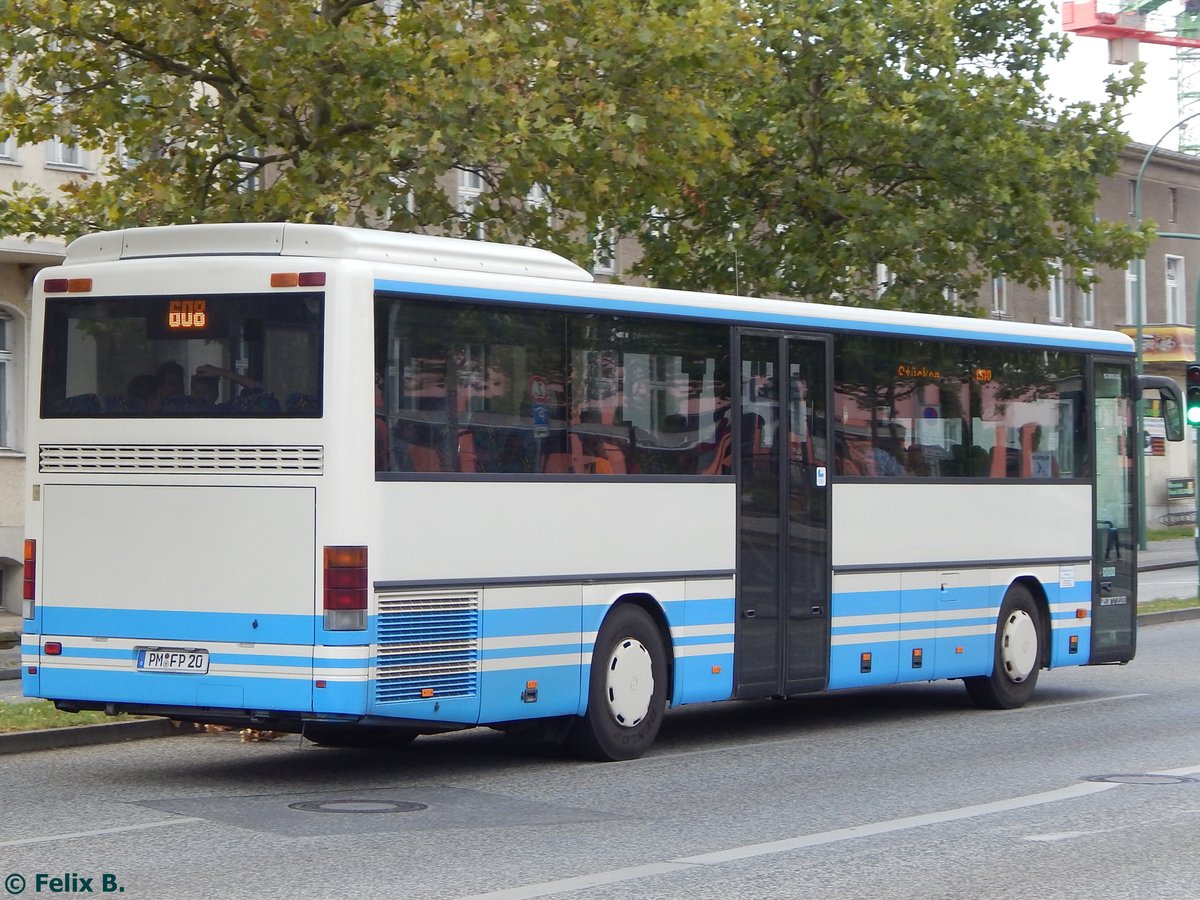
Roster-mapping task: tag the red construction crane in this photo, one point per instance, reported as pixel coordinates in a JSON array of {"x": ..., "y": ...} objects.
[
  {"x": 1124, "y": 28},
  {"x": 1126, "y": 25}
]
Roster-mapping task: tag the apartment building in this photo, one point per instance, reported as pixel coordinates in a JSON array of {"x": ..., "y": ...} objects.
[
  {"x": 1167, "y": 289},
  {"x": 48, "y": 165}
]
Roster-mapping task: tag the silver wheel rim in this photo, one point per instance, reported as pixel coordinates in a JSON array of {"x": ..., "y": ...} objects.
[
  {"x": 629, "y": 685},
  {"x": 1019, "y": 646}
]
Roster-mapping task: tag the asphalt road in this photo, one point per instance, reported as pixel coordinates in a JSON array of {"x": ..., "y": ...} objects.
[{"x": 900, "y": 792}]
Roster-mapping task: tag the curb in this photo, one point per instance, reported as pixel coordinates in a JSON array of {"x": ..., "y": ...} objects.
[
  {"x": 1158, "y": 567},
  {"x": 1171, "y": 615},
  {"x": 88, "y": 735}
]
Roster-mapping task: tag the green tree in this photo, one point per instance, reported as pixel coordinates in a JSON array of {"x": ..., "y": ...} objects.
[
  {"x": 765, "y": 146},
  {"x": 915, "y": 134},
  {"x": 353, "y": 111}
]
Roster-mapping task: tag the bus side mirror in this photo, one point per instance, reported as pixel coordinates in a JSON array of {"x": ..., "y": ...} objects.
[{"x": 1169, "y": 396}]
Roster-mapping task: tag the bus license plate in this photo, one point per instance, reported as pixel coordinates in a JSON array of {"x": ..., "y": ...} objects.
[{"x": 194, "y": 662}]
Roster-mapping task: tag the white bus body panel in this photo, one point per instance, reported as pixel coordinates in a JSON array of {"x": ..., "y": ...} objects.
[
  {"x": 881, "y": 523},
  {"x": 235, "y": 577},
  {"x": 494, "y": 531},
  {"x": 920, "y": 571}
]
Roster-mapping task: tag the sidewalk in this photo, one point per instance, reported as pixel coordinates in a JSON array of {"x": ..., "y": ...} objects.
[
  {"x": 10, "y": 656},
  {"x": 1158, "y": 555},
  {"x": 1167, "y": 555}
]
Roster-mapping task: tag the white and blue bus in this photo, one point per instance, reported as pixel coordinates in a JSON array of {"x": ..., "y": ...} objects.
[{"x": 364, "y": 486}]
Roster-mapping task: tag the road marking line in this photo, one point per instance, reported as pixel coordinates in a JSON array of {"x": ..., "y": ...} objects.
[
  {"x": 767, "y": 848},
  {"x": 120, "y": 829},
  {"x": 1061, "y": 836},
  {"x": 1071, "y": 792}
]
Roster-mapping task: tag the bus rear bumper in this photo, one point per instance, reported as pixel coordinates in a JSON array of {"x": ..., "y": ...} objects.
[{"x": 267, "y": 720}]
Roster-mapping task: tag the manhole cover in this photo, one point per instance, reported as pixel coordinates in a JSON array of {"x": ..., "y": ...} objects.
[
  {"x": 357, "y": 806},
  {"x": 1142, "y": 779}
]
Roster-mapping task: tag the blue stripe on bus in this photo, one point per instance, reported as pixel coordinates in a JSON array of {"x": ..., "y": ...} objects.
[
  {"x": 697, "y": 678},
  {"x": 734, "y": 316},
  {"x": 158, "y": 624},
  {"x": 717, "y": 611},
  {"x": 697, "y": 682},
  {"x": 449, "y": 710},
  {"x": 944, "y": 654},
  {"x": 504, "y": 695},
  {"x": 197, "y": 626},
  {"x": 532, "y": 620},
  {"x": 891, "y": 660},
  {"x": 348, "y": 697}
]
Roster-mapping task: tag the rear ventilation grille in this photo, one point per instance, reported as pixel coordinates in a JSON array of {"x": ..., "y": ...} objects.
[
  {"x": 96, "y": 459},
  {"x": 428, "y": 646}
]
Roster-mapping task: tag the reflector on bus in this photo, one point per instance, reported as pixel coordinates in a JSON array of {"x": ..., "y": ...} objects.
[
  {"x": 67, "y": 285},
  {"x": 297, "y": 279}
]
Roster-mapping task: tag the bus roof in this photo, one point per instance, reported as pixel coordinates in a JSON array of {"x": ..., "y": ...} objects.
[
  {"x": 446, "y": 266},
  {"x": 326, "y": 241}
]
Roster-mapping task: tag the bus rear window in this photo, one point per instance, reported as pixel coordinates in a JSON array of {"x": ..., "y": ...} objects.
[{"x": 244, "y": 355}]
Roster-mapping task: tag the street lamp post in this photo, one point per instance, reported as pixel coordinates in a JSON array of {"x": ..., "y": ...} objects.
[{"x": 1139, "y": 324}]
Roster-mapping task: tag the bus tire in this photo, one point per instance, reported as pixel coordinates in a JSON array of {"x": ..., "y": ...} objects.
[
  {"x": 372, "y": 737},
  {"x": 627, "y": 689},
  {"x": 1020, "y": 646}
]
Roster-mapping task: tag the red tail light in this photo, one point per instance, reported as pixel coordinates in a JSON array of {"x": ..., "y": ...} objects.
[
  {"x": 29, "y": 579},
  {"x": 345, "y": 588}
]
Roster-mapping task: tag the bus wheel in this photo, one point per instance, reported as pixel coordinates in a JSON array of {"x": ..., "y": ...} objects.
[
  {"x": 375, "y": 737},
  {"x": 1018, "y": 655},
  {"x": 627, "y": 691}
]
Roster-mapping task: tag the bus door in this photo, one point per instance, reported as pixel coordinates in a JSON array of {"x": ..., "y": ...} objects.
[
  {"x": 782, "y": 632},
  {"x": 1114, "y": 580}
]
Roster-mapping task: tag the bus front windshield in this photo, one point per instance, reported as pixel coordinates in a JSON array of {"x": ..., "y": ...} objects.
[{"x": 183, "y": 356}]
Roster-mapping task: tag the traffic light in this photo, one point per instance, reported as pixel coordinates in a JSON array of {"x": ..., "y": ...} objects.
[{"x": 1192, "y": 406}]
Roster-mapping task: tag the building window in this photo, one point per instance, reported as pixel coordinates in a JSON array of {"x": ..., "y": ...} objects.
[
  {"x": 62, "y": 150},
  {"x": 6, "y": 380},
  {"x": 1087, "y": 301},
  {"x": 8, "y": 144},
  {"x": 1132, "y": 291},
  {"x": 1175, "y": 282},
  {"x": 999, "y": 297},
  {"x": 1058, "y": 300},
  {"x": 883, "y": 279},
  {"x": 1174, "y": 214},
  {"x": 1133, "y": 197},
  {"x": 470, "y": 188},
  {"x": 604, "y": 250},
  {"x": 538, "y": 197},
  {"x": 61, "y": 153}
]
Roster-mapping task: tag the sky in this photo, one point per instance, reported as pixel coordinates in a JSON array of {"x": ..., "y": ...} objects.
[{"x": 1081, "y": 77}]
